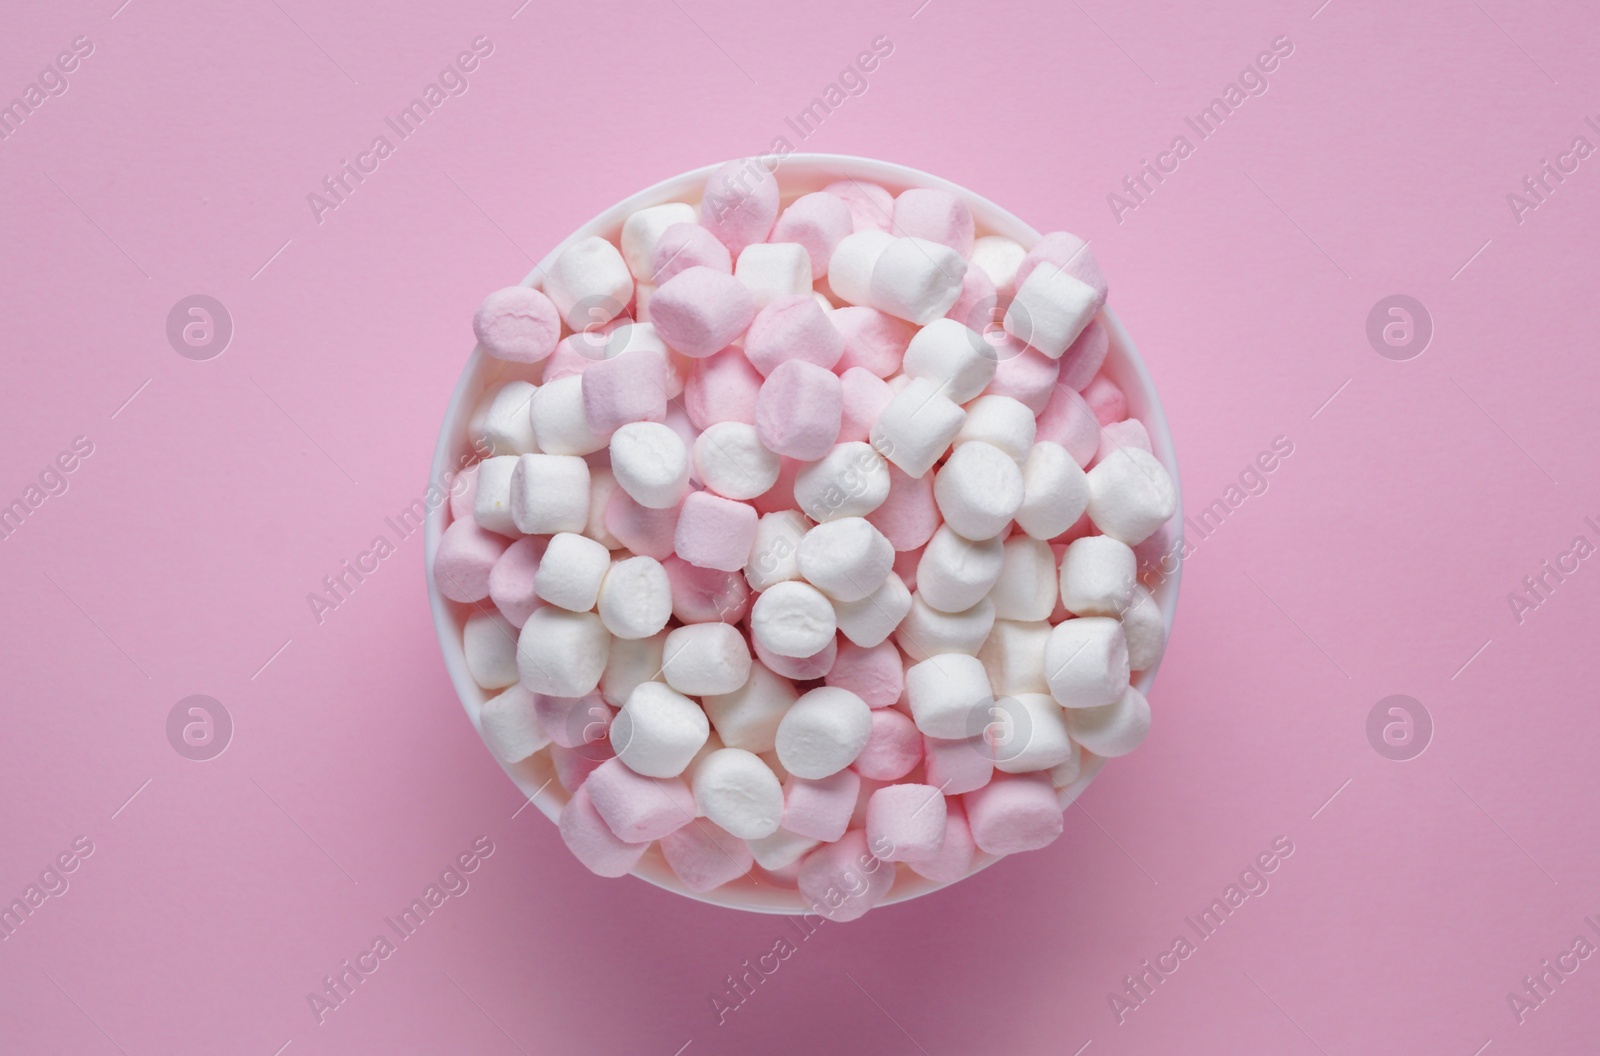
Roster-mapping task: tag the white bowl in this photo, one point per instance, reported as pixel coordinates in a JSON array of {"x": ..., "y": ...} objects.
[{"x": 797, "y": 174}]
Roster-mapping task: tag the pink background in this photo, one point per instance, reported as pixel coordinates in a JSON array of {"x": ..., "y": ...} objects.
[{"x": 178, "y": 562}]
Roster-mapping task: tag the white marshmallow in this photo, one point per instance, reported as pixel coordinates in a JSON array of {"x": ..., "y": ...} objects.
[
  {"x": 1002, "y": 421},
  {"x": 999, "y": 258},
  {"x": 955, "y": 573},
  {"x": 851, "y": 480},
  {"x": 774, "y": 269},
  {"x": 1145, "y": 629},
  {"x": 561, "y": 653},
  {"x": 916, "y": 280},
  {"x": 950, "y": 695},
  {"x": 651, "y": 464},
  {"x": 1026, "y": 588},
  {"x": 559, "y": 424},
  {"x": 823, "y": 732},
  {"x": 781, "y": 850},
  {"x": 706, "y": 658},
  {"x": 589, "y": 283},
  {"x": 504, "y": 421},
  {"x": 1114, "y": 729},
  {"x": 748, "y": 717},
  {"x": 1086, "y": 662},
  {"x": 729, "y": 460},
  {"x": 1050, "y": 310},
  {"x": 510, "y": 726},
  {"x": 952, "y": 356},
  {"x": 642, "y": 231},
  {"x": 850, "y": 266},
  {"x": 775, "y": 555},
  {"x": 1029, "y": 733},
  {"x": 571, "y": 570},
  {"x": 793, "y": 619},
  {"x": 489, "y": 641},
  {"x": 638, "y": 337},
  {"x": 491, "y": 504},
  {"x": 846, "y": 559},
  {"x": 1130, "y": 495},
  {"x": 871, "y": 620},
  {"x": 1013, "y": 655},
  {"x": 1055, "y": 491},
  {"x": 635, "y": 599},
  {"x": 1097, "y": 576},
  {"x": 925, "y": 631},
  {"x": 916, "y": 428},
  {"x": 1066, "y": 773},
  {"x": 631, "y": 661},
  {"x": 978, "y": 489},
  {"x": 549, "y": 493},
  {"x": 736, "y": 790},
  {"x": 658, "y": 731}
]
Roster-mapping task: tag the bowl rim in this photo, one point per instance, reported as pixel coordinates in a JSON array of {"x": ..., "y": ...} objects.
[{"x": 532, "y": 777}]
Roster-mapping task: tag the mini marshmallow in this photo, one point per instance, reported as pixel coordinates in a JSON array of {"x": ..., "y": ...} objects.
[
  {"x": 893, "y": 749},
  {"x": 916, "y": 429},
  {"x": 851, "y": 480},
  {"x": 870, "y": 621},
  {"x": 799, "y": 410},
  {"x": 635, "y": 598},
  {"x": 1069, "y": 770},
  {"x": 571, "y": 571},
  {"x": 579, "y": 352},
  {"x": 1026, "y": 586},
  {"x": 846, "y": 559},
  {"x": 976, "y": 306},
  {"x": 821, "y": 808},
  {"x": 549, "y": 493},
  {"x": 706, "y": 658},
  {"x": 636, "y": 806},
  {"x": 651, "y": 464},
  {"x": 589, "y": 283},
  {"x": 949, "y": 695},
  {"x": 602, "y": 485},
  {"x": 773, "y": 270},
  {"x": 800, "y": 668},
  {"x": 780, "y": 850},
  {"x": 489, "y": 643},
  {"x": 1106, "y": 399},
  {"x": 1014, "y": 813},
  {"x": 700, "y": 311},
  {"x": 1013, "y": 655},
  {"x": 916, "y": 280},
  {"x": 865, "y": 397},
  {"x": 1025, "y": 374},
  {"x": 792, "y": 327},
  {"x": 510, "y": 727},
  {"x": 1050, "y": 310},
  {"x": 978, "y": 489},
  {"x": 906, "y": 822},
  {"x": 998, "y": 257},
  {"x": 1145, "y": 630},
  {"x": 706, "y": 595},
  {"x": 491, "y": 506},
  {"x": 1001, "y": 421},
  {"x": 575, "y": 722},
  {"x": 463, "y": 491},
  {"x": 1130, "y": 495},
  {"x": 736, "y": 790},
  {"x": 1068, "y": 421},
  {"x": 1070, "y": 254},
  {"x": 658, "y": 731},
  {"x": 909, "y": 516},
  {"x": 823, "y": 732},
  {"x": 870, "y": 205},
  {"x": 645, "y": 531},
  {"x": 1097, "y": 576},
  {"x": 573, "y": 768},
  {"x": 504, "y": 424},
  {"x": 775, "y": 555},
  {"x": 631, "y": 661},
  {"x": 927, "y": 632},
  {"x": 953, "y": 356},
  {"x": 740, "y": 203},
  {"x": 873, "y": 673},
  {"x": 936, "y": 215},
  {"x": 705, "y": 856},
  {"x": 1029, "y": 733},
  {"x": 953, "y": 860},
  {"x": 817, "y": 221},
  {"x": 955, "y": 573},
  {"x": 683, "y": 246},
  {"x": 641, "y": 235},
  {"x": 1127, "y": 433},
  {"x": 874, "y": 341},
  {"x": 843, "y": 880},
  {"x": 1055, "y": 491},
  {"x": 465, "y": 559},
  {"x": 722, "y": 388},
  {"x": 748, "y": 717},
  {"x": 1113, "y": 729},
  {"x": 714, "y": 532},
  {"x": 592, "y": 842},
  {"x": 1086, "y": 662},
  {"x": 853, "y": 263},
  {"x": 793, "y": 619},
  {"x": 561, "y": 653},
  {"x": 957, "y": 766},
  {"x": 517, "y": 323},
  {"x": 730, "y": 460},
  {"x": 559, "y": 421},
  {"x": 1084, "y": 358},
  {"x": 631, "y": 387}
]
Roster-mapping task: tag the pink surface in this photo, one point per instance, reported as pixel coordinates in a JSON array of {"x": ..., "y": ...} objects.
[{"x": 220, "y": 493}]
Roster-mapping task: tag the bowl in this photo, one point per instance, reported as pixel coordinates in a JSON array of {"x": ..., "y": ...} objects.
[{"x": 797, "y": 174}]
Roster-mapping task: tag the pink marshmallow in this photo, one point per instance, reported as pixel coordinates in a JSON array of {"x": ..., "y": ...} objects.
[
  {"x": 574, "y": 765},
  {"x": 574, "y": 722},
  {"x": 1128, "y": 433},
  {"x": 1085, "y": 356},
  {"x": 938, "y": 216},
  {"x": 842, "y": 880},
  {"x": 1014, "y": 812},
  {"x": 739, "y": 204},
  {"x": 705, "y": 856},
  {"x": 700, "y": 311},
  {"x": 1162, "y": 550},
  {"x": 870, "y": 205},
  {"x": 876, "y": 675},
  {"x": 1025, "y": 374},
  {"x": 465, "y": 557},
  {"x": 1068, "y": 421},
  {"x": 706, "y": 595},
  {"x": 511, "y": 580},
  {"x": 975, "y": 307},
  {"x": 636, "y": 807},
  {"x": 647, "y": 532},
  {"x": 865, "y": 397},
  {"x": 1070, "y": 253},
  {"x": 631, "y": 387},
  {"x": 517, "y": 324},
  {"x": 793, "y": 327},
  {"x": 781, "y": 495},
  {"x": 958, "y": 766},
  {"x": 464, "y": 493},
  {"x": 1106, "y": 400},
  {"x": 818, "y": 222},
  {"x": 722, "y": 388},
  {"x": 905, "y": 566},
  {"x": 683, "y": 246},
  {"x": 909, "y": 516},
  {"x": 801, "y": 668},
  {"x": 799, "y": 410},
  {"x": 893, "y": 749},
  {"x": 820, "y": 809},
  {"x": 592, "y": 842},
  {"x": 578, "y": 352},
  {"x": 906, "y": 822},
  {"x": 714, "y": 532},
  {"x": 873, "y": 340},
  {"x": 953, "y": 861}
]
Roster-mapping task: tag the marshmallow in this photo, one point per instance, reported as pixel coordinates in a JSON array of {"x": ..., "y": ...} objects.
[
  {"x": 1025, "y": 374},
  {"x": 700, "y": 310},
  {"x": 773, "y": 270},
  {"x": 846, "y": 559},
  {"x": 722, "y": 388},
  {"x": 799, "y": 410},
  {"x": 636, "y": 806},
  {"x": 602, "y": 485},
  {"x": 641, "y": 235},
  {"x": 1026, "y": 586},
  {"x": 780, "y": 850},
  {"x": 998, "y": 257},
  {"x": 1068, "y": 421},
  {"x": 630, "y": 387},
  {"x": 549, "y": 493},
  {"x": 1028, "y": 733},
  {"x": 893, "y": 748},
  {"x": 1097, "y": 576},
  {"x": 977, "y": 306},
  {"x": 952, "y": 356},
  {"x": 578, "y": 353},
  {"x": 1084, "y": 358},
  {"x": 873, "y": 340},
  {"x": 465, "y": 559},
  {"x": 850, "y": 481},
  {"x": 800, "y": 668},
  {"x": 589, "y": 283},
  {"x": 1055, "y": 491},
  {"x": 644, "y": 531},
  {"x": 906, "y": 822},
  {"x": 1127, "y": 433},
  {"x": 575, "y": 722},
  {"x": 953, "y": 860},
  {"x": 775, "y": 555},
  {"x": 865, "y": 397},
  {"x": 592, "y": 842},
  {"x": 706, "y": 658},
  {"x": 683, "y": 246},
  {"x": 917, "y": 426},
  {"x": 463, "y": 491},
  {"x": 793, "y": 619},
  {"x": 1070, "y": 254},
  {"x": 936, "y": 215},
  {"x": 573, "y": 768},
  {"x": 1068, "y": 771},
  {"x": 503, "y": 424},
  {"x": 491, "y": 506},
  {"x": 1013, "y": 655},
  {"x": 706, "y": 595},
  {"x": 1014, "y": 813},
  {"x": 823, "y": 732},
  {"x": 1113, "y": 729},
  {"x": 748, "y": 717},
  {"x": 873, "y": 673},
  {"x": 517, "y": 324},
  {"x": 740, "y": 203},
  {"x": 1130, "y": 495},
  {"x": 955, "y": 573},
  {"x": 561, "y": 653},
  {"x": 869, "y": 621},
  {"x": 926, "y": 632},
  {"x": 571, "y": 571},
  {"x": 908, "y": 517},
  {"x": 792, "y": 327},
  {"x": 978, "y": 489},
  {"x": 560, "y": 422},
  {"x": 630, "y": 662},
  {"x": 651, "y": 464},
  {"x": 821, "y": 809},
  {"x": 842, "y": 880},
  {"x": 817, "y": 221},
  {"x": 658, "y": 731},
  {"x": 729, "y": 460},
  {"x": 949, "y": 695},
  {"x": 999, "y": 420},
  {"x": 714, "y": 532},
  {"x": 780, "y": 496},
  {"x": 510, "y": 727},
  {"x": 957, "y": 766},
  {"x": 489, "y": 643},
  {"x": 1145, "y": 630},
  {"x": 870, "y": 205},
  {"x": 635, "y": 598},
  {"x": 1050, "y": 310},
  {"x": 705, "y": 856},
  {"x": 736, "y": 790},
  {"x": 916, "y": 280},
  {"x": 1106, "y": 399},
  {"x": 1086, "y": 662},
  {"x": 854, "y": 260}
]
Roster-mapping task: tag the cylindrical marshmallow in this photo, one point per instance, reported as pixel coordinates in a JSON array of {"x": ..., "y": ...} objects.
[
  {"x": 978, "y": 489},
  {"x": 729, "y": 460},
  {"x": 517, "y": 324},
  {"x": 773, "y": 270},
  {"x": 846, "y": 559},
  {"x": 952, "y": 356},
  {"x": 638, "y": 807},
  {"x": 1001, "y": 421},
  {"x": 559, "y": 421},
  {"x": 700, "y": 311},
  {"x": 548, "y": 494},
  {"x": 465, "y": 559},
  {"x": 955, "y": 573},
  {"x": 775, "y": 555},
  {"x": 916, "y": 280},
  {"x": 706, "y": 658},
  {"x": 842, "y": 880},
  {"x": 503, "y": 423},
  {"x": 799, "y": 410},
  {"x": 1130, "y": 495},
  {"x": 1113, "y": 729},
  {"x": 1014, "y": 813},
  {"x": 1026, "y": 587},
  {"x": 817, "y": 221},
  {"x": 1097, "y": 576},
  {"x": 893, "y": 749},
  {"x": 1086, "y": 662},
  {"x": 1013, "y": 655},
  {"x": 571, "y": 571},
  {"x": 1055, "y": 491},
  {"x": 998, "y": 257},
  {"x": 740, "y": 202},
  {"x": 748, "y": 717},
  {"x": 926, "y": 632},
  {"x": 651, "y": 464},
  {"x": 561, "y": 653},
  {"x": 917, "y": 426},
  {"x": 739, "y": 792},
  {"x": 491, "y": 504},
  {"x": 489, "y": 644},
  {"x": 642, "y": 231},
  {"x": 510, "y": 727},
  {"x": 714, "y": 532},
  {"x": 851, "y": 480},
  {"x": 872, "y": 619},
  {"x": 1050, "y": 310},
  {"x": 1145, "y": 629},
  {"x": 658, "y": 731},
  {"x": 905, "y": 822},
  {"x": 793, "y": 619},
  {"x": 852, "y": 263},
  {"x": 823, "y": 732},
  {"x": 874, "y": 673},
  {"x": 589, "y": 283},
  {"x": 635, "y": 598},
  {"x": 1027, "y": 732}
]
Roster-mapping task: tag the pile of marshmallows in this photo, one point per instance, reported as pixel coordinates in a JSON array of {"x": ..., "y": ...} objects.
[{"x": 795, "y": 559}]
